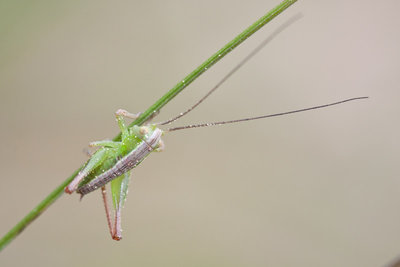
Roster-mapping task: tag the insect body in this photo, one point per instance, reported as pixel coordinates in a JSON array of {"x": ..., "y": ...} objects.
[
  {"x": 116, "y": 158},
  {"x": 113, "y": 161},
  {"x": 150, "y": 142}
]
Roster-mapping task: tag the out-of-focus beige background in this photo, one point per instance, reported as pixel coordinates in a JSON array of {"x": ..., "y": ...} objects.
[{"x": 320, "y": 188}]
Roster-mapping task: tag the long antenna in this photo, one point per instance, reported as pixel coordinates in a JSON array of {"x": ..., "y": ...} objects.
[
  {"x": 238, "y": 66},
  {"x": 264, "y": 116}
]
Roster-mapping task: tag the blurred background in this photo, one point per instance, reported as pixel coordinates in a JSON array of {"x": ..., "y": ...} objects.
[{"x": 320, "y": 188}]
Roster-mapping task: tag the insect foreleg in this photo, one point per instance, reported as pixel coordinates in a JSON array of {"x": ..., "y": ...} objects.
[
  {"x": 127, "y": 114},
  {"x": 120, "y": 114}
]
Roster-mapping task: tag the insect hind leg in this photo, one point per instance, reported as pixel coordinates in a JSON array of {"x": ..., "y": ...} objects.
[
  {"x": 113, "y": 227},
  {"x": 98, "y": 158},
  {"x": 107, "y": 208}
]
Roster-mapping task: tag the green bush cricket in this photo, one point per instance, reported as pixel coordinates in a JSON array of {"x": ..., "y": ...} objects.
[{"x": 113, "y": 160}]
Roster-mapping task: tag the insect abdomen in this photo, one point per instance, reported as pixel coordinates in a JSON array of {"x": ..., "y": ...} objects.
[{"x": 128, "y": 162}]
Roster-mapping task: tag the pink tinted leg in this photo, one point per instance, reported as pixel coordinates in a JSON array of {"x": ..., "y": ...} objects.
[
  {"x": 117, "y": 228},
  {"x": 104, "y": 194},
  {"x": 74, "y": 184}
]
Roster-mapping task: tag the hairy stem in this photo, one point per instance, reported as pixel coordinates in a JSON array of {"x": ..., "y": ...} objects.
[{"x": 33, "y": 214}]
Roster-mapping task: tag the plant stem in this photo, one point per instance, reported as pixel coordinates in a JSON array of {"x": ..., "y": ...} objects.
[
  {"x": 33, "y": 214},
  {"x": 211, "y": 61}
]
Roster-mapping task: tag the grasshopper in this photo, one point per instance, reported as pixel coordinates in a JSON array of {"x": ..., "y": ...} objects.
[{"x": 114, "y": 160}]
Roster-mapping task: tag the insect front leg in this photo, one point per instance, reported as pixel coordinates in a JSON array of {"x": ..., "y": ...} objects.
[
  {"x": 127, "y": 114},
  {"x": 120, "y": 114}
]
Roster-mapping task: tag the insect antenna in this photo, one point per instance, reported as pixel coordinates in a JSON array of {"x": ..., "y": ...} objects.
[
  {"x": 264, "y": 116},
  {"x": 237, "y": 67}
]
